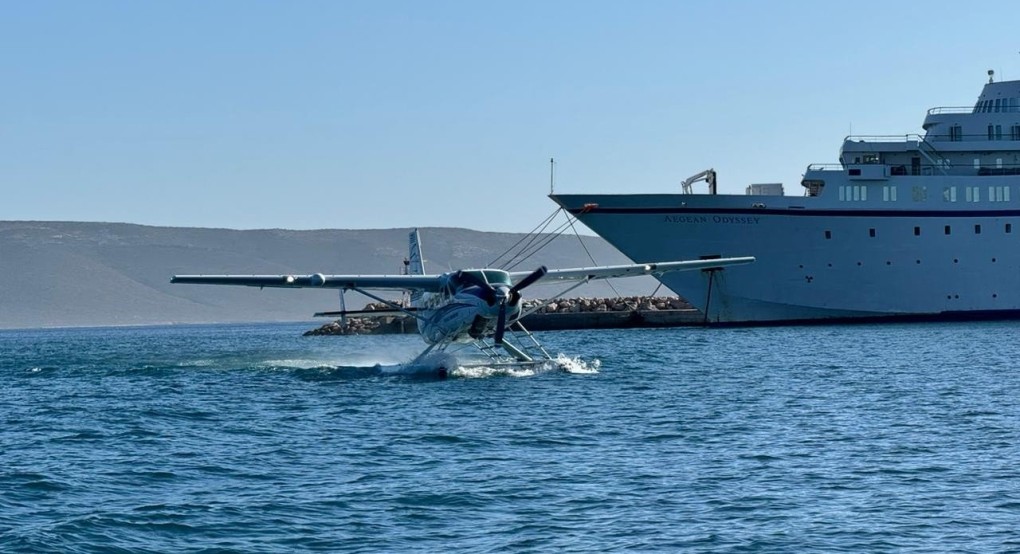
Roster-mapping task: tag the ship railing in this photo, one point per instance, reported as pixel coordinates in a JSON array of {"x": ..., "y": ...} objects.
[
  {"x": 913, "y": 137},
  {"x": 927, "y": 170},
  {"x": 1000, "y": 134},
  {"x": 950, "y": 110},
  {"x": 957, "y": 110},
  {"x": 825, "y": 167},
  {"x": 932, "y": 155}
]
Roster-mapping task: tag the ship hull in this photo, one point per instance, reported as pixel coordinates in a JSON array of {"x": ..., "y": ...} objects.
[{"x": 818, "y": 263}]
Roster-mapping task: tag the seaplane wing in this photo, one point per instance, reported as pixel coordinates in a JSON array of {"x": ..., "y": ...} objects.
[
  {"x": 424, "y": 283},
  {"x": 632, "y": 270}
]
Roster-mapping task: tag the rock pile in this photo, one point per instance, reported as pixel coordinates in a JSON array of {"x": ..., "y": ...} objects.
[
  {"x": 406, "y": 324},
  {"x": 622, "y": 304}
]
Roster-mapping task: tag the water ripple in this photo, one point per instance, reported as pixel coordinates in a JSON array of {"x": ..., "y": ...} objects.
[{"x": 255, "y": 439}]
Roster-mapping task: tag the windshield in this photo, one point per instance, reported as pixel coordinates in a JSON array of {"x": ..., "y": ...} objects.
[
  {"x": 496, "y": 277},
  {"x": 484, "y": 278}
]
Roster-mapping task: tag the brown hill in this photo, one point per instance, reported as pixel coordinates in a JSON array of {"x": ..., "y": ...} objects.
[{"x": 84, "y": 274}]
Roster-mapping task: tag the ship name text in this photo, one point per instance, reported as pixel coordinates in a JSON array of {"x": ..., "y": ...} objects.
[{"x": 721, "y": 219}]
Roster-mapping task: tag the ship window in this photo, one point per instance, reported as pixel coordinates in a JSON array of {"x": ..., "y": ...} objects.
[
  {"x": 889, "y": 193},
  {"x": 998, "y": 132},
  {"x": 991, "y": 132},
  {"x": 998, "y": 161},
  {"x": 871, "y": 233},
  {"x": 977, "y": 229},
  {"x": 949, "y": 230},
  {"x": 919, "y": 193},
  {"x": 956, "y": 133},
  {"x": 856, "y": 192},
  {"x": 973, "y": 194},
  {"x": 828, "y": 235},
  {"x": 998, "y": 102},
  {"x": 949, "y": 194},
  {"x": 917, "y": 231},
  {"x": 1009, "y": 228},
  {"x": 842, "y": 194},
  {"x": 977, "y": 163},
  {"x": 871, "y": 158},
  {"x": 1015, "y": 134},
  {"x": 998, "y": 194}
]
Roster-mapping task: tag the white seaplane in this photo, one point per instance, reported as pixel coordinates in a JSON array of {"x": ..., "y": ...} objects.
[{"x": 468, "y": 307}]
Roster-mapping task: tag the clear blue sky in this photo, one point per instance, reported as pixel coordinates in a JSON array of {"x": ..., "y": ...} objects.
[{"x": 382, "y": 114}]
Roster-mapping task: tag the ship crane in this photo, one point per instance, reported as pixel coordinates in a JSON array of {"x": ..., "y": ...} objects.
[{"x": 708, "y": 176}]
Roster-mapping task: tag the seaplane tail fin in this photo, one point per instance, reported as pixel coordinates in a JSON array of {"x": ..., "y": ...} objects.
[{"x": 417, "y": 263}]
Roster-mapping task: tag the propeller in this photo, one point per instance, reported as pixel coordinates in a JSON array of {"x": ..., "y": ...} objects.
[{"x": 512, "y": 298}]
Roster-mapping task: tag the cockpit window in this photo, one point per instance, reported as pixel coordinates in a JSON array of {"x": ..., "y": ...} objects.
[
  {"x": 479, "y": 277},
  {"x": 496, "y": 277}
]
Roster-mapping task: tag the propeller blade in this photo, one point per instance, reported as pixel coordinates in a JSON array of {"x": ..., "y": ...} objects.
[
  {"x": 475, "y": 280},
  {"x": 500, "y": 324},
  {"x": 530, "y": 279}
]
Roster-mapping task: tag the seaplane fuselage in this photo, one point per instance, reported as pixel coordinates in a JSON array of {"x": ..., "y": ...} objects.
[{"x": 467, "y": 309}]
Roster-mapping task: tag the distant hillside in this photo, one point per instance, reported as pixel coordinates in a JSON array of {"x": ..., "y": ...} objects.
[{"x": 84, "y": 274}]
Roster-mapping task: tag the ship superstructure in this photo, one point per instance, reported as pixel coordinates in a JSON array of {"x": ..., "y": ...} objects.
[{"x": 922, "y": 226}]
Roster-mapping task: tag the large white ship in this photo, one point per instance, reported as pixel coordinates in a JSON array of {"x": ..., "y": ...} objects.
[{"x": 906, "y": 227}]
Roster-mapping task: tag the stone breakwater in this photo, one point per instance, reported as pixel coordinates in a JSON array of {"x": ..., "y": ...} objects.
[{"x": 563, "y": 313}]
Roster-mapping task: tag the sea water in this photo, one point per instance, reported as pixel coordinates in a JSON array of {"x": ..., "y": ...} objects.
[{"x": 252, "y": 438}]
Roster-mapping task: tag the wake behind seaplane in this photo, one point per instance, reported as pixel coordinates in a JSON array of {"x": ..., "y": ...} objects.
[{"x": 473, "y": 307}]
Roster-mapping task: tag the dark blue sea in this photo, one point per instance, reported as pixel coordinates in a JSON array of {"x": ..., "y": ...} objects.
[{"x": 252, "y": 438}]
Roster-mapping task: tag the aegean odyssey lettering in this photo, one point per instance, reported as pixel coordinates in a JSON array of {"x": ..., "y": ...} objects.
[{"x": 723, "y": 219}]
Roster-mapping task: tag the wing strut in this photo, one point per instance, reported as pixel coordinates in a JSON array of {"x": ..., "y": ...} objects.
[{"x": 389, "y": 303}]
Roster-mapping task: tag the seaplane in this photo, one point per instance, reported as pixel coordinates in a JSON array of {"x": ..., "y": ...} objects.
[{"x": 479, "y": 308}]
